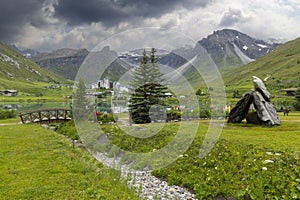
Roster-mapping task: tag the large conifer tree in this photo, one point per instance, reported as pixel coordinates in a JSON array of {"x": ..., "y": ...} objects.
[
  {"x": 80, "y": 102},
  {"x": 148, "y": 90}
]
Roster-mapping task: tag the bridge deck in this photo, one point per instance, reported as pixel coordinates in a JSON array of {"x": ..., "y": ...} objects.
[{"x": 50, "y": 115}]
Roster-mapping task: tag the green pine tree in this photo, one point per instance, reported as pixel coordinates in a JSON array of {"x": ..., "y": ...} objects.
[
  {"x": 297, "y": 96},
  {"x": 148, "y": 89},
  {"x": 80, "y": 101}
]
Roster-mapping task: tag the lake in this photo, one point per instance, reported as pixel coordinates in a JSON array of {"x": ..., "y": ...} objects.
[{"x": 25, "y": 106}]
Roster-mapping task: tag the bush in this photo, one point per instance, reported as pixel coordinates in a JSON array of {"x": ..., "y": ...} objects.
[
  {"x": 6, "y": 114},
  {"x": 205, "y": 113},
  {"x": 199, "y": 92},
  {"x": 173, "y": 115},
  {"x": 106, "y": 118},
  {"x": 68, "y": 129},
  {"x": 297, "y": 97}
]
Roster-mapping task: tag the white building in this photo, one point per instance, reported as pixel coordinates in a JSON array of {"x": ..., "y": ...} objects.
[{"x": 93, "y": 86}]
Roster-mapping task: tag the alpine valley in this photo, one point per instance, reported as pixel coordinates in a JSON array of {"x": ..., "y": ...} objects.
[{"x": 231, "y": 52}]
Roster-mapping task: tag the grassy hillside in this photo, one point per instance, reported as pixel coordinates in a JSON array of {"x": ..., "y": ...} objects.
[
  {"x": 20, "y": 73},
  {"x": 282, "y": 66},
  {"x": 39, "y": 164}
]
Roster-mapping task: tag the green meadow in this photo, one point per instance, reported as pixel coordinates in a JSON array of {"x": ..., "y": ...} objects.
[
  {"x": 247, "y": 162},
  {"x": 37, "y": 163}
]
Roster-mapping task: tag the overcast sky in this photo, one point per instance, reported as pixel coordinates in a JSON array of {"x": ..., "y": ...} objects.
[{"x": 47, "y": 25}]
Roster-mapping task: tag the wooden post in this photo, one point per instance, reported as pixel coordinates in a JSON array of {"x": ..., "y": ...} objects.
[
  {"x": 65, "y": 116},
  {"x": 56, "y": 113},
  {"x": 30, "y": 116},
  {"x": 49, "y": 116},
  {"x": 40, "y": 116},
  {"x": 21, "y": 117}
]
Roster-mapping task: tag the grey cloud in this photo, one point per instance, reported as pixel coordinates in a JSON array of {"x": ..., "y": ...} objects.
[
  {"x": 231, "y": 17},
  {"x": 111, "y": 13},
  {"x": 15, "y": 14}
]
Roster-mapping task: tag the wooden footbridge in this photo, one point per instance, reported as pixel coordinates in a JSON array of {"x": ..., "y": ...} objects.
[{"x": 45, "y": 116}]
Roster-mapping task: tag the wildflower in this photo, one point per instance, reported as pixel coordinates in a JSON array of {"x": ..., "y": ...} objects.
[{"x": 268, "y": 161}]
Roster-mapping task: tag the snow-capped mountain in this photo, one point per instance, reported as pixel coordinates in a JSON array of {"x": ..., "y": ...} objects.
[
  {"x": 227, "y": 48},
  {"x": 134, "y": 57},
  {"x": 230, "y": 45}
]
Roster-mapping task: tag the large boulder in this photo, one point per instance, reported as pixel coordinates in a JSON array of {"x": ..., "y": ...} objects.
[{"x": 261, "y": 99}]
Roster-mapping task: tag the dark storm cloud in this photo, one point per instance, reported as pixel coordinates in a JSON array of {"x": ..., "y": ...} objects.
[
  {"x": 112, "y": 12},
  {"x": 15, "y": 14}
]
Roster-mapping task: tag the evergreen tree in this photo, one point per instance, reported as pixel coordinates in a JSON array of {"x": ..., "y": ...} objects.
[
  {"x": 80, "y": 101},
  {"x": 297, "y": 96},
  {"x": 148, "y": 89}
]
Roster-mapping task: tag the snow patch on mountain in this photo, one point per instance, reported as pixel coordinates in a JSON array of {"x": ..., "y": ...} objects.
[
  {"x": 245, "y": 59},
  {"x": 245, "y": 47},
  {"x": 262, "y": 45}
]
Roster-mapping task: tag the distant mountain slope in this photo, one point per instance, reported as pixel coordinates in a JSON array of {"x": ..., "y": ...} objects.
[
  {"x": 227, "y": 48},
  {"x": 64, "y": 62},
  {"x": 280, "y": 68},
  {"x": 28, "y": 53},
  {"x": 16, "y": 69}
]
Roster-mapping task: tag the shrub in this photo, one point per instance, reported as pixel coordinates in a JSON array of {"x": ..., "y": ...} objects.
[
  {"x": 68, "y": 129},
  {"x": 297, "y": 97},
  {"x": 6, "y": 114},
  {"x": 199, "y": 92},
  {"x": 205, "y": 113},
  {"x": 105, "y": 118},
  {"x": 173, "y": 115}
]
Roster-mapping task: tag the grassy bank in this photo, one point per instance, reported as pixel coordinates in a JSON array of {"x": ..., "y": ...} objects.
[
  {"x": 40, "y": 164},
  {"x": 247, "y": 162}
]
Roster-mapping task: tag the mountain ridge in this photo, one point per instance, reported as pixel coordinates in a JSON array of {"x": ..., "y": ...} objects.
[
  {"x": 227, "y": 48},
  {"x": 64, "y": 62},
  {"x": 16, "y": 71},
  {"x": 280, "y": 68}
]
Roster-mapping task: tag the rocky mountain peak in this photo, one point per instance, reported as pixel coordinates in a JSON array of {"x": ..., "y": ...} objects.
[{"x": 229, "y": 47}]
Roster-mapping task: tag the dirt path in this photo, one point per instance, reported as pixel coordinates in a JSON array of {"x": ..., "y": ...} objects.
[{"x": 9, "y": 124}]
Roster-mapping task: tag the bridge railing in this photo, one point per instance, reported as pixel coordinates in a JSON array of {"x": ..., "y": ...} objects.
[{"x": 46, "y": 115}]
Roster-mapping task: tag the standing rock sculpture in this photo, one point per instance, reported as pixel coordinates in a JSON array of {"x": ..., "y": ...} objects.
[{"x": 261, "y": 99}]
